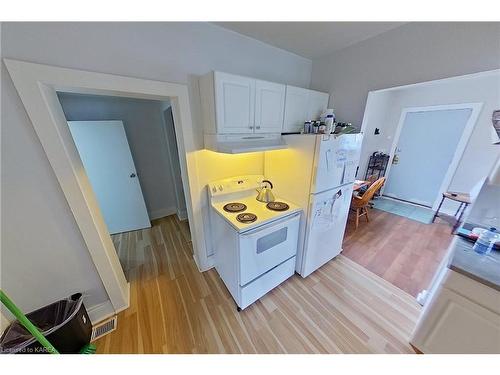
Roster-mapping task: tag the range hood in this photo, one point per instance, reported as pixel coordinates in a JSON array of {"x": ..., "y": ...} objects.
[{"x": 238, "y": 144}]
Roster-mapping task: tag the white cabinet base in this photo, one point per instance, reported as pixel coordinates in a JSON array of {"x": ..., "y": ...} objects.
[{"x": 463, "y": 316}]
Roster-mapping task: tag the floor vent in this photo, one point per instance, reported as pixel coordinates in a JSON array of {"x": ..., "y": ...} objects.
[{"x": 104, "y": 328}]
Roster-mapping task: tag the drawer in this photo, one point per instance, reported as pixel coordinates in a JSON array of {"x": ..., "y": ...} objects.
[
  {"x": 266, "y": 247},
  {"x": 270, "y": 280}
]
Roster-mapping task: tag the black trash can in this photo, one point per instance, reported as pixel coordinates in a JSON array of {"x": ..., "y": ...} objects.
[{"x": 64, "y": 323}]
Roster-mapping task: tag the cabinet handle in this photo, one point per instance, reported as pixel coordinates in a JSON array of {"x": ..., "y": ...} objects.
[{"x": 258, "y": 127}]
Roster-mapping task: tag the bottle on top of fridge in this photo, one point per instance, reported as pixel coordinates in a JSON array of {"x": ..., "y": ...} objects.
[
  {"x": 329, "y": 124},
  {"x": 307, "y": 127},
  {"x": 322, "y": 127},
  {"x": 316, "y": 127}
]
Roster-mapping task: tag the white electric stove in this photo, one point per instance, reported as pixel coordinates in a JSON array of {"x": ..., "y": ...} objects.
[{"x": 255, "y": 243}]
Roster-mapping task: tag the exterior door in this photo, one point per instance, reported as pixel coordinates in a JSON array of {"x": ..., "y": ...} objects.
[
  {"x": 427, "y": 144},
  {"x": 235, "y": 103},
  {"x": 106, "y": 156},
  {"x": 269, "y": 107}
]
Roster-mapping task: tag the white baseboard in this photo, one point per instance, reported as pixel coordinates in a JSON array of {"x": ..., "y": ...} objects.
[
  {"x": 4, "y": 322},
  {"x": 100, "y": 312},
  {"x": 162, "y": 212},
  {"x": 182, "y": 214},
  {"x": 210, "y": 262}
]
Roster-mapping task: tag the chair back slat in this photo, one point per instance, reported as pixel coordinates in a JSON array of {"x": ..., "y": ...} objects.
[{"x": 370, "y": 192}]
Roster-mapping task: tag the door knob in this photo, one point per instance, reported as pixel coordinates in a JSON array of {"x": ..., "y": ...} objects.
[{"x": 133, "y": 175}]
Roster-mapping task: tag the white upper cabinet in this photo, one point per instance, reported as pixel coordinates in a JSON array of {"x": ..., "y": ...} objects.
[
  {"x": 296, "y": 108},
  {"x": 302, "y": 105},
  {"x": 235, "y": 103},
  {"x": 269, "y": 107},
  {"x": 318, "y": 102}
]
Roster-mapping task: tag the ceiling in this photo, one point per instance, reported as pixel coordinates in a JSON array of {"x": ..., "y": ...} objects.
[{"x": 310, "y": 39}]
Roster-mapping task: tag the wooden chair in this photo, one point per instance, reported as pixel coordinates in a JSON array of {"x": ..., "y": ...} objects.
[{"x": 360, "y": 204}]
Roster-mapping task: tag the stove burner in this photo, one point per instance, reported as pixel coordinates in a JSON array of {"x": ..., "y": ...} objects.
[
  {"x": 235, "y": 207},
  {"x": 246, "y": 217},
  {"x": 277, "y": 206}
]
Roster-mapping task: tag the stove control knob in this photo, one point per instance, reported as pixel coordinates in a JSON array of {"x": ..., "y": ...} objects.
[
  {"x": 214, "y": 189},
  {"x": 220, "y": 187}
]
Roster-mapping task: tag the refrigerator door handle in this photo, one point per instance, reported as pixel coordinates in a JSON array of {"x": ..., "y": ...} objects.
[
  {"x": 337, "y": 195},
  {"x": 328, "y": 155},
  {"x": 343, "y": 173}
]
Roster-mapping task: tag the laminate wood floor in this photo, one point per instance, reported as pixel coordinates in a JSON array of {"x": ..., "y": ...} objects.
[
  {"x": 404, "y": 252},
  {"x": 340, "y": 308}
]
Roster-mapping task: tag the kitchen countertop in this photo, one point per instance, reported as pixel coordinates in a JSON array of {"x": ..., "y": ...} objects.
[{"x": 482, "y": 268}]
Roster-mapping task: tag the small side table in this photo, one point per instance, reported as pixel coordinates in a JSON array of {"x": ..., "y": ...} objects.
[{"x": 462, "y": 198}]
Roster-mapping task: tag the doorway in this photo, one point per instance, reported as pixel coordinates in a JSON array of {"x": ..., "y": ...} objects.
[
  {"x": 37, "y": 86},
  {"x": 129, "y": 160}
]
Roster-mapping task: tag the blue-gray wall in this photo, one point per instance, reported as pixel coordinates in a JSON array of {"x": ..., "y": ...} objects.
[
  {"x": 144, "y": 125},
  {"x": 414, "y": 52}
]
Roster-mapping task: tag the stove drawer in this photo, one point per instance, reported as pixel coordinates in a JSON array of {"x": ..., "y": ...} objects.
[
  {"x": 267, "y": 282},
  {"x": 267, "y": 246}
]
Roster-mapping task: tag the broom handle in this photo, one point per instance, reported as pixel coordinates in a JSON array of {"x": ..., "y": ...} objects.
[{"x": 26, "y": 323}]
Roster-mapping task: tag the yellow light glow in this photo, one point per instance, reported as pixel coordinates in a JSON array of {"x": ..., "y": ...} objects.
[{"x": 214, "y": 165}]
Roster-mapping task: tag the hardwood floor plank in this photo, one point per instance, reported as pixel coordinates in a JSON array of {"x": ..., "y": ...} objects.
[
  {"x": 341, "y": 308},
  {"x": 402, "y": 251}
]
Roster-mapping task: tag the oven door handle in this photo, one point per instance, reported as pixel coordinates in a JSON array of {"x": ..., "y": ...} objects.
[{"x": 270, "y": 226}]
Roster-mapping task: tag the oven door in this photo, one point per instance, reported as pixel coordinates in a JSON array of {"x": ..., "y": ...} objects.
[{"x": 268, "y": 246}]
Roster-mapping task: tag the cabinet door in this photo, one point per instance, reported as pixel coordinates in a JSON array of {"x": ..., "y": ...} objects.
[
  {"x": 318, "y": 103},
  {"x": 234, "y": 103},
  {"x": 296, "y": 104},
  {"x": 455, "y": 324},
  {"x": 269, "y": 107}
]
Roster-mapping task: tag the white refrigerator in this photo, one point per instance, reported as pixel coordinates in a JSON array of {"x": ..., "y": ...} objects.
[{"x": 316, "y": 172}]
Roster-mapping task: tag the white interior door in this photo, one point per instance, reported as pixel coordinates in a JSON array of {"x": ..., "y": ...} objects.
[
  {"x": 106, "y": 156},
  {"x": 269, "y": 107},
  {"x": 426, "y": 147}
]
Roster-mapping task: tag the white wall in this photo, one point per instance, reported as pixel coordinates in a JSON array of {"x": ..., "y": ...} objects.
[
  {"x": 37, "y": 224},
  {"x": 143, "y": 123},
  {"x": 175, "y": 168},
  {"x": 412, "y": 53},
  {"x": 4, "y": 321},
  {"x": 479, "y": 155},
  {"x": 482, "y": 211}
]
